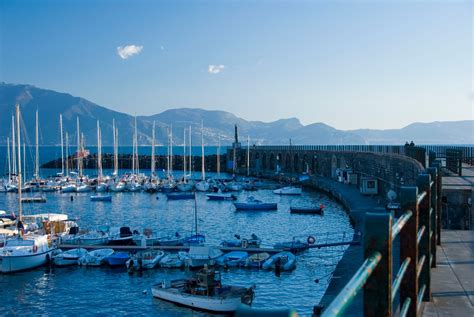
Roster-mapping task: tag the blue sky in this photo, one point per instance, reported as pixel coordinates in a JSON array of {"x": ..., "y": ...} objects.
[{"x": 350, "y": 64}]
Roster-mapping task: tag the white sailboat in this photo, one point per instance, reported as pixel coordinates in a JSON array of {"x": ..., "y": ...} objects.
[
  {"x": 186, "y": 184},
  {"x": 26, "y": 251},
  {"x": 101, "y": 185},
  {"x": 203, "y": 185}
]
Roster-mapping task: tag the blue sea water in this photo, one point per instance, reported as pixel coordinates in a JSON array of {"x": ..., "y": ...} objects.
[{"x": 105, "y": 291}]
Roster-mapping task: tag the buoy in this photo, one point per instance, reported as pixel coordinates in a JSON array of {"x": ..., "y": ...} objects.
[
  {"x": 144, "y": 292},
  {"x": 311, "y": 240}
]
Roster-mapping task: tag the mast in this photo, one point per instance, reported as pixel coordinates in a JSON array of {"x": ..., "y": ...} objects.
[
  {"x": 67, "y": 154},
  {"x": 203, "y": 171},
  {"x": 184, "y": 155},
  {"x": 79, "y": 157},
  {"x": 219, "y": 156},
  {"x": 137, "y": 164},
  {"x": 9, "y": 160},
  {"x": 190, "y": 154},
  {"x": 13, "y": 147},
  {"x": 133, "y": 153},
  {"x": 82, "y": 151},
  {"x": 62, "y": 141},
  {"x": 168, "y": 154},
  {"x": 37, "y": 149},
  {"x": 171, "y": 151},
  {"x": 115, "y": 146},
  {"x": 116, "y": 152},
  {"x": 24, "y": 162},
  {"x": 20, "y": 211},
  {"x": 153, "y": 150},
  {"x": 248, "y": 155},
  {"x": 195, "y": 214},
  {"x": 99, "y": 153}
]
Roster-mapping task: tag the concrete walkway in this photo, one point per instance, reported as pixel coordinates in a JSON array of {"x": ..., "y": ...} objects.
[{"x": 453, "y": 278}]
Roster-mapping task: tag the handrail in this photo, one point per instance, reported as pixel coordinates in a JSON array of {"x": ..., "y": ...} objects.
[
  {"x": 405, "y": 307},
  {"x": 398, "y": 279},
  {"x": 419, "y": 266},
  {"x": 398, "y": 226},
  {"x": 420, "y": 197},
  {"x": 421, "y": 293},
  {"x": 419, "y": 236},
  {"x": 358, "y": 280}
]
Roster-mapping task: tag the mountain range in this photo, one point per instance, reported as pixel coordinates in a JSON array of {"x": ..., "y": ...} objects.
[{"x": 217, "y": 124}]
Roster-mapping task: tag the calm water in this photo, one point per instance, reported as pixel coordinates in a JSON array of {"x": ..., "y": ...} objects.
[{"x": 106, "y": 291}]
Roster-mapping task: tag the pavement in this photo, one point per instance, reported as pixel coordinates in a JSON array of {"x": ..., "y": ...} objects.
[{"x": 452, "y": 281}]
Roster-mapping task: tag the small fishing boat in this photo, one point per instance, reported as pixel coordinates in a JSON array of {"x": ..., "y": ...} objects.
[
  {"x": 255, "y": 204},
  {"x": 101, "y": 198},
  {"x": 148, "y": 238},
  {"x": 253, "y": 242},
  {"x": 292, "y": 246},
  {"x": 118, "y": 258},
  {"x": 34, "y": 199},
  {"x": 123, "y": 237},
  {"x": 195, "y": 239},
  {"x": 69, "y": 257},
  {"x": 232, "y": 259},
  {"x": 198, "y": 256},
  {"x": 96, "y": 257},
  {"x": 256, "y": 260},
  {"x": 288, "y": 190},
  {"x": 307, "y": 210},
  {"x": 180, "y": 196},
  {"x": 89, "y": 238},
  {"x": 285, "y": 260},
  {"x": 147, "y": 259},
  {"x": 173, "y": 260},
  {"x": 175, "y": 240},
  {"x": 221, "y": 196},
  {"x": 205, "y": 292}
]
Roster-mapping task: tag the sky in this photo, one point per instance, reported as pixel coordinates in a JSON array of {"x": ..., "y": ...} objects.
[{"x": 349, "y": 64}]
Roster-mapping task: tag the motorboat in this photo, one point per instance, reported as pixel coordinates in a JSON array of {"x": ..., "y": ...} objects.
[
  {"x": 175, "y": 240},
  {"x": 253, "y": 242},
  {"x": 96, "y": 257},
  {"x": 101, "y": 198},
  {"x": 256, "y": 260},
  {"x": 288, "y": 190},
  {"x": 180, "y": 196},
  {"x": 195, "y": 239},
  {"x": 198, "y": 256},
  {"x": 255, "y": 204},
  {"x": 221, "y": 196},
  {"x": 73, "y": 237},
  {"x": 24, "y": 253},
  {"x": 69, "y": 257},
  {"x": 34, "y": 199},
  {"x": 285, "y": 260},
  {"x": 232, "y": 259},
  {"x": 124, "y": 236},
  {"x": 148, "y": 238},
  {"x": 173, "y": 260},
  {"x": 147, "y": 259},
  {"x": 118, "y": 258},
  {"x": 204, "y": 292},
  {"x": 293, "y": 246},
  {"x": 308, "y": 210}
]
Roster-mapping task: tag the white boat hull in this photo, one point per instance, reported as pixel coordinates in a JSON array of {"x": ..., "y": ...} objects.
[{"x": 10, "y": 264}]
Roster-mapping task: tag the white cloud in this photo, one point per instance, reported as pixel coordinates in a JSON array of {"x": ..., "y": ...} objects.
[
  {"x": 127, "y": 51},
  {"x": 215, "y": 69}
]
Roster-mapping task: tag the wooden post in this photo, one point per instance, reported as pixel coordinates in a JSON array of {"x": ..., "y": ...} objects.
[
  {"x": 378, "y": 289},
  {"x": 433, "y": 171},
  {"x": 409, "y": 248},
  {"x": 423, "y": 181}
]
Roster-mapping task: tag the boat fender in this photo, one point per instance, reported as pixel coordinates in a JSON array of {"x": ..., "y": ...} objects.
[
  {"x": 247, "y": 297},
  {"x": 245, "y": 243},
  {"x": 35, "y": 248},
  {"x": 311, "y": 240}
]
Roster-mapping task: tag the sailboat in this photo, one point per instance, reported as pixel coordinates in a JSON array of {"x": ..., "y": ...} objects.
[
  {"x": 196, "y": 238},
  {"x": 101, "y": 185},
  {"x": 203, "y": 185},
  {"x": 26, "y": 251},
  {"x": 134, "y": 183},
  {"x": 168, "y": 185},
  {"x": 185, "y": 185},
  {"x": 152, "y": 185},
  {"x": 118, "y": 185}
]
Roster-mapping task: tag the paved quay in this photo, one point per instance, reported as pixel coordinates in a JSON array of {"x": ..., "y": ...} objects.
[
  {"x": 452, "y": 281},
  {"x": 357, "y": 205}
]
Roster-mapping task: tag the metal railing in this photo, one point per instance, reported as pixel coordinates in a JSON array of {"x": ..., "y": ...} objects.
[{"x": 417, "y": 231}]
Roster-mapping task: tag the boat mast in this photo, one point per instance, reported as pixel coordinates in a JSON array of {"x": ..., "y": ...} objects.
[
  {"x": 14, "y": 147},
  {"x": 184, "y": 155},
  {"x": 203, "y": 171},
  {"x": 248, "y": 155},
  {"x": 79, "y": 157},
  {"x": 116, "y": 152},
  {"x": 190, "y": 154},
  {"x": 62, "y": 141},
  {"x": 219, "y": 156},
  {"x": 20, "y": 211},
  {"x": 9, "y": 161},
  {"x": 24, "y": 162},
  {"x": 171, "y": 151},
  {"x": 153, "y": 151},
  {"x": 99, "y": 153},
  {"x": 114, "y": 145},
  {"x": 168, "y": 154},
  {"x": 133, "y": 153},
  {"x": 137, "y": 164},
  {"x": 195, "y": 214},
  {"x": 37, "y": 149},
  {"x": 67, "y": 154},
  {"x": 82, "y": 151}
]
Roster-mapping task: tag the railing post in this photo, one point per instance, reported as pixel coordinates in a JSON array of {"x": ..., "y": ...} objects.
[
  {"x": 439, "y": 207},
  {"x": 433, "y": 171},
  {"x": 378, "y": 289},
  {"x": 423, "y": 181},
  {"x": 409, "y": 248}
]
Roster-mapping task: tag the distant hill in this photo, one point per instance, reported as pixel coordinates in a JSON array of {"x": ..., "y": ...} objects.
[{"x": 216, "y": 124}]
